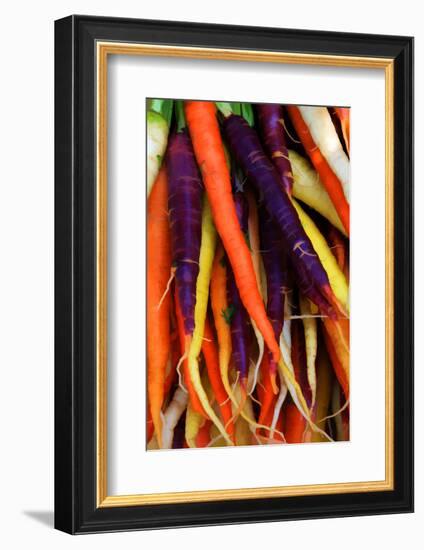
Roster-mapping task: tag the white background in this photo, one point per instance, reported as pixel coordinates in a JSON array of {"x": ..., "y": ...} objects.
[
  {"x": 131, "y": 79},
  {"x": 26, "y": 295}
]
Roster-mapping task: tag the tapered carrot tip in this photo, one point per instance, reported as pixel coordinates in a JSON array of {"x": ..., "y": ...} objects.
[
  {"x": 273, "y": 380},
  {"x": 243, "y": 394},
  {"x": 273, "y": 376},
  {"x": 338, "y": 308}
]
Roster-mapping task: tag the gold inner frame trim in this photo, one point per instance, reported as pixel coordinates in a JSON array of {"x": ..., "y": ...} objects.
[{"x": 103, "y": 50}]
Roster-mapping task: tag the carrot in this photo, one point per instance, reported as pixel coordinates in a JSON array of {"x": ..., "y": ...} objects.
[
  {"x": 340, "y": 249},
  {"x": 341, "y": 414},
  {"x": 243, "y": 433},
  {"x": 210, "y": 353},
  {"x": 323, "y": 395},
  {"x": 207, "y": 253},
  {"x": 309, "y": 188},
  {"x": 336, "y": 336},
  {"x": 185, "y": 218},
  {"x": 158, "y": 273},
  {"x": 204, "y": 435},
  {"x": 173, "y": 361},
  {"x": 311, "y": 344},
  {"x": 294, "y": 427},
  {"x": 343, "y": 114},
  {"x": 194, "y": 399},
  {"x": 271, "y": 123},
  {"x": 195, "y": 421},
  {"x": 245, "y": 144},
  {"x": 238, "y": 318},
  {"x": 254, "y": 242},
  {"x": 150, "y": 429},
  {"x": 274, "y": 259},
  {"x": 336, "y": 277},
  {"x": 330, "y": 180},
  {"x": 286, "y": 348},
  {"x": 173, "y": 413},
  {"x": 298, "y": 354},
  {"x": 324, "y": 134},
  {"x": 268, "y": 399},
  {"x": 209, "y": 151},
  {"x": 178, "y": 441},
  {"x": 222, "y": 319},
  {"x": 219, "y": 306},
  {"x": 288, "y": 375}
]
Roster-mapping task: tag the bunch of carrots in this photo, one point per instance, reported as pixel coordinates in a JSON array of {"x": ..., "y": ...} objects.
[{"x": 247, "y": 274}]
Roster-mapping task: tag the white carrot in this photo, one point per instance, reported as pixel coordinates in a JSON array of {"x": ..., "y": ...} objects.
[{"x": 324, "y": 134}]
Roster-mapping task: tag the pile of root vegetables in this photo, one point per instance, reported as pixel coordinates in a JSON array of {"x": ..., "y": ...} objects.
[{"x": 247, "y": 274}]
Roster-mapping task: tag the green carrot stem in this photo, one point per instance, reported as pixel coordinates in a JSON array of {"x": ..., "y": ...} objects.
[{"x": 163, "y": 107}]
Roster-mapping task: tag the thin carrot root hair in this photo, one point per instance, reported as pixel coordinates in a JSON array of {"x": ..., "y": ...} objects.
[
  {"x": 168, "y": 286},
  {"x": 333, "y": 415},
  {"x": 252, "y": 423},
  {"x": 298, "y": 398},
  {"x": 278, "y": 406},
  {"x": 203, "y": 398},
  {"x": 261, "y": 346},
  {"x": 283, "y": 124},
  {"x": 178, "y": 369}
]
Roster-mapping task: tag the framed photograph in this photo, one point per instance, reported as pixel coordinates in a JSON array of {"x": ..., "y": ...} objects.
[{"x": 234, "y": 274}]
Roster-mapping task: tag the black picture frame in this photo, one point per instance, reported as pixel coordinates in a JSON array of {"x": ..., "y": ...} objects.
[{"x": 76, "y": 510}]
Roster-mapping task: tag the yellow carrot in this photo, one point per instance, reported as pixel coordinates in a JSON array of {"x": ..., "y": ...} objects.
[
  {"x": 311, "y": 344},
  {"x": 335, "y": 275},
  {"x": 194, "y": 420},
  {"x": 308, "y": 188},
  {"x": 297, "y": 396},
  {"x": 207, "y": 253}
]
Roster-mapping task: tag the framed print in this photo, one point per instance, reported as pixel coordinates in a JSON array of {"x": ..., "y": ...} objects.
[{"x": 234, "y": 274}]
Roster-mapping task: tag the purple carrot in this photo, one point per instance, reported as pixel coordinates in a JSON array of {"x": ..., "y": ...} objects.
[
  {"x": 306, "y": 284},
  {"x": 185, "y": 216},
  {"x": 274, "y": 259},
  {"x": 236, "y": 314},
  {"x": 271, "y": 124},
  {"x": 247, "y": 149}
]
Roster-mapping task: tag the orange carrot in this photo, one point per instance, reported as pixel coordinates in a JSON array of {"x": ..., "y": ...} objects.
[
  {"x": 149, "y": 424},
  {"x": 210, "y": 353},
  {"x": 294, "y": 424},
  {"x": 219, "y": 305},
  {"x": 194, "y": 399},
  {"x": 337, "y": 245},
  {"x": 203, "y": 436},
  {"x": 210, "y": 155},
  {"x": 158, "y": 273},
  {"x": 340, "y": 249},
  {"x": 328, "y": 177},
  {"x": 336, "y": 335}
]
